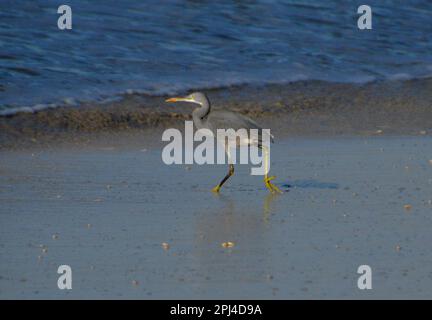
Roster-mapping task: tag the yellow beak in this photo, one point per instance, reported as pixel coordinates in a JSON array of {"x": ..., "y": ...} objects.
[{"x": 176, "y": 99}]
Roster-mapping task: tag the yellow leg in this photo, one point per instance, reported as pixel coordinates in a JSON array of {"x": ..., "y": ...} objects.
[
  {"x": 267, "y": 179},
  {"x": 229, "y": 174}
]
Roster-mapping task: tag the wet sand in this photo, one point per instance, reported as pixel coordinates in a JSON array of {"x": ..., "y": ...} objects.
[{"x": 106, "y": 208}]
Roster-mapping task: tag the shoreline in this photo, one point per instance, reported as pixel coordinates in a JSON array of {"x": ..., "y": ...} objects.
[{"x": 309, "y": 108}]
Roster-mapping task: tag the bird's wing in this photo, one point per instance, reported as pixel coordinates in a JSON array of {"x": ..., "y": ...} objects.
[{"x": 225, "y": 119}]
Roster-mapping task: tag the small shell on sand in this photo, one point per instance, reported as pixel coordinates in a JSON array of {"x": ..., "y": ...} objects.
[
  {"x": 228, "y": 244},
  {"x": 165, "y": 246},
  {"x": 407, "y": 207}
]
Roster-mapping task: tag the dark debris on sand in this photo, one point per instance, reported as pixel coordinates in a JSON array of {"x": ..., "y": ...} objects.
[{"x": 300, "y": 108}]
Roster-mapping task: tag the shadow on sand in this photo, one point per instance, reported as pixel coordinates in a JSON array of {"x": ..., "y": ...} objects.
[{"x": 311, "y": 184}]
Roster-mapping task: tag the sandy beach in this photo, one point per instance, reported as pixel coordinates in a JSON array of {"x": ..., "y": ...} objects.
[
  {"x": 87, "y": 90},
  {"x": 309, "y": 108},
  {"x": 106, "y": 209}
]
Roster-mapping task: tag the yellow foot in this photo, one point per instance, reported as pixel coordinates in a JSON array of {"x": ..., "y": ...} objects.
[
  {"x": 270, "y": 185},
  {"x": 216, "y": 189}
]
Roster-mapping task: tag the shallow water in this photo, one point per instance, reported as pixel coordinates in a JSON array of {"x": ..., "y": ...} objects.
[
  {"x": 144, "y": 46},
  {"x": 112, "y": 208}
]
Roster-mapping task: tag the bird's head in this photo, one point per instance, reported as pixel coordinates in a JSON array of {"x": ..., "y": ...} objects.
[{"x": 196, "y": 97}]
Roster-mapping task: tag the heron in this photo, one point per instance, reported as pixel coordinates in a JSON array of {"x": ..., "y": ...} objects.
[{"x": 204, "y": 117}]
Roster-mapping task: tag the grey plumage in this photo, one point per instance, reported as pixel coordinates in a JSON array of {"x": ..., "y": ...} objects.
[
  {"x": 213, "y": 119},
  {"x": 204, "y": 117}
]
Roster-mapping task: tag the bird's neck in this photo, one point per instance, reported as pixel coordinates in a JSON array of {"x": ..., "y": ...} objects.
[{"x": 199, "y": 114}]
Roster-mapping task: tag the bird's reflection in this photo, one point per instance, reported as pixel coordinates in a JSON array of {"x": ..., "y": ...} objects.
[
  {"x": 267, "y": 206},
  {"x": 244, "y": 222},
  {"x": 231, "y": 218},
  {"x": 229, "y": 205}
]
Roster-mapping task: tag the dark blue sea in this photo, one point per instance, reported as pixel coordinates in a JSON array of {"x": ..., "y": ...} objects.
[{"x": 166, "y": 47}]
